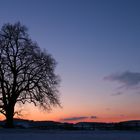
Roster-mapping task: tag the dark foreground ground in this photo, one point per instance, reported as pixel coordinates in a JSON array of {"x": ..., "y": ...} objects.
[{"x": 67, "y": 135}]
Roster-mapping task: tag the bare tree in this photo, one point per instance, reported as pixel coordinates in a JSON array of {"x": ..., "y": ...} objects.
[{"x": 26, "y": 72}]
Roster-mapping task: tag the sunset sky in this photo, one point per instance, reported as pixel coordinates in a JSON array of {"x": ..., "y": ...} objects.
[{"x": 97, "y": 46}]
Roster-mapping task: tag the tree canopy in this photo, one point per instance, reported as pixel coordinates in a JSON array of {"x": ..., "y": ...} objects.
[{"x": 27, "y": 74}]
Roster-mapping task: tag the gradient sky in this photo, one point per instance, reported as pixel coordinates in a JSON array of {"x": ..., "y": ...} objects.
[{"x": 97, "y": 46}]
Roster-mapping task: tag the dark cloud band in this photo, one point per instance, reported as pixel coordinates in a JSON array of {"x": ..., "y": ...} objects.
[
  {"x": 128, "y": 79},
  {"x": 74, "y": 118},
  {"x": 78, "y": 118}
]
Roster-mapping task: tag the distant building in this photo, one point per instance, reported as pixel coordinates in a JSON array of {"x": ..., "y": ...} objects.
[{"x": 84, "y": 125}]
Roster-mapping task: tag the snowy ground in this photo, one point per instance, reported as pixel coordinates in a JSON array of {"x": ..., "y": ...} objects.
[{"x": 67, "y": 135}]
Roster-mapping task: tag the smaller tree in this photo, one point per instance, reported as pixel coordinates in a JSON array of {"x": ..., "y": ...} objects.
[{"x": 26, "y": 72}]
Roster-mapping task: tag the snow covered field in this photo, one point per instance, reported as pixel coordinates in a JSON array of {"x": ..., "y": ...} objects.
[{"x": 68, "y": 135}]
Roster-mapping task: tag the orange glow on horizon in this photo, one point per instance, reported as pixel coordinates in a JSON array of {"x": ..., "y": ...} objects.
[
  {"x": 41, "y": 117},
  {"x": 57, "y": 114}
]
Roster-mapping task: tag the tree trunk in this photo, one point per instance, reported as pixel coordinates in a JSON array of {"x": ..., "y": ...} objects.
[
  {"x": 9, "y": 117},
  {"x": 9, "y": 122}
]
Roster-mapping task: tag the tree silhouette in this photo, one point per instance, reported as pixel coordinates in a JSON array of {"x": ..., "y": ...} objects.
[{"x": 26, "y": 72}]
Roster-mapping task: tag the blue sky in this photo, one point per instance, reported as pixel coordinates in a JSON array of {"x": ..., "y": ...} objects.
[{"x": 90, "y": 40}]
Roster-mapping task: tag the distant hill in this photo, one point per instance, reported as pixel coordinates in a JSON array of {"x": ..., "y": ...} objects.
[{"x": 124, "y": 125}]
